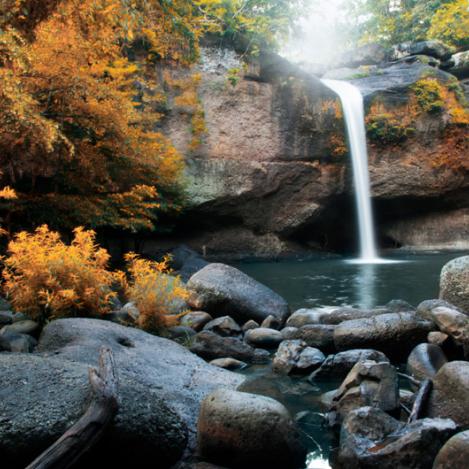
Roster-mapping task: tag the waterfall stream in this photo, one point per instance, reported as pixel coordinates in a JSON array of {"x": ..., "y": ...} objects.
[{"x": 354, "y": 115}]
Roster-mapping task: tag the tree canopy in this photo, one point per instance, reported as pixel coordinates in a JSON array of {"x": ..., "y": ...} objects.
[{"x": 80, "y": 101}]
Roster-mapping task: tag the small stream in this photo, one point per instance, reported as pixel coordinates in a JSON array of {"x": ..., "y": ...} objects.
[{"x": 333, "y": 281}]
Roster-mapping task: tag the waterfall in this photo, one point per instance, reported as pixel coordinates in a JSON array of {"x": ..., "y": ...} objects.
[{"x": 354, "y": 115}]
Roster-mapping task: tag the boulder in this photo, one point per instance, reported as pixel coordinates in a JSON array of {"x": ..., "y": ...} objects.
[
  {"x": 450, "y": 395},
  {"x": 41, "y": 397},
  {"x": 245, "y": 430},
  {"x": 319, "y": 336},
  {"x": 370, "y": 438},
  {"x": 368, "y": 384},
  {"x": 196, "y": 320},
  {"x": 181, "y": 334},
  {"x": 224, "y": 326},
  {"x": 23, "y": 327},
  {"x": 248, "y": 325},
  {"x": 425, "y": 361},
  {"x": 459, "y": 65},
  {"x": 339, "y": 315},
  {"x": 394, "y": 334},
  {"x": 229, "y": 363},
  {"x": 399, "y": 306},
  {"x": 131, "y": 310},
  {"x": 6, "y": 317},
  {"x": 294, "y": 356},
  {"x": 454, "y": 282},
  {"x": 435, "y": 49},
  {"x": 222, "y": 289},
  {"x": 425, "y": 308},
  {"x": 338, "y": 366},
  {"x": 455, "y": 453},
  {"x": 210, "y": 346},
  {"x": 271, "y": 322},
  {"x": 302, "y": 317},
  {"x": 437, "y": 338},
  {"x": 14, "y": 342},
  {"x": 290, "y": 333},
  {"x": 263, "y": 338},
  {"x": 176, "y": 376},
  {"x": 186, "y": 262},
  {"x": 453, "y": 323}
]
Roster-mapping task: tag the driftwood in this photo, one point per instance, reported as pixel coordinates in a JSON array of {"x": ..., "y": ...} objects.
[
  {"x": 420, "y": 400},
  {"x": 79, "y": 438},
  {"x": 410, "y": 378}
]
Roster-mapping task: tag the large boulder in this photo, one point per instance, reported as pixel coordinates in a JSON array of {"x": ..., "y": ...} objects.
[
  {"x": 450, "y": 395},
  {"x": 454, "y": 282},
  {"x": 245, "y": 430},
  {"x": 370, "y": 438},
  {"x": 394, "y": 334},
  {"x": 368, "y": 384},
  {"x": 425, "y": 361},
  {"x": 338, "y": 366},
  {"x": 41, "y": 397},
  {"x": 177, "y": 377},
  {"x": 455, "y": 453},
  {"x": 221, "y": 289},
  {"x": 210, "y": 346}
]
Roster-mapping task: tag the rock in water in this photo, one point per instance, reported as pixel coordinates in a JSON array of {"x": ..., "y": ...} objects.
[
  {"x": 294, "y": 356},
  {"x": 455, "y": 453},
  {"x": 425, "y": 361},
  {"x": 41, "y": 397},
  {"x": 368, "y": 384},
  {"x": 221, "y": 289},
  {"x": 177, "y": 377},
  {"x": 210, "y": 346},
  {"x": 450, "y": 395},
  {"x": 454, "y": 282},
  {"x": 338, "y": 365},
  {"x": 243, "y": 430},
  {"x": 394, "y": 334},
  {"x": 370, "y": 438}
]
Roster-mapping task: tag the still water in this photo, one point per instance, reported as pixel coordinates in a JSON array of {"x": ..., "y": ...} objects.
[{"x": 333, "y": 281}]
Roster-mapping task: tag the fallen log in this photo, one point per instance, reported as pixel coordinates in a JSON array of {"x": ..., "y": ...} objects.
[
  {"x": 420, "y": 400},
  {"x": 83, "y": 435}
]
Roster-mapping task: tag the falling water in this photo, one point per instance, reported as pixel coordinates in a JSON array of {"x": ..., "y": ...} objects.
[{"x": 352, "y": 104}]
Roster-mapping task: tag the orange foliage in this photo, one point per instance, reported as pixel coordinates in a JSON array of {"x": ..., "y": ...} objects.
[
  {"x": 47, "y": 278},
  {"x": 153, "y": 291}
]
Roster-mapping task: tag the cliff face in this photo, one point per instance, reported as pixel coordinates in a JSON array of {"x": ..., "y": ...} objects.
[{"x": 268, "y": 169}]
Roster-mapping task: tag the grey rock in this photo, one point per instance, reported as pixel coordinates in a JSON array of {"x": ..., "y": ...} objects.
[
  {"x": 14, "y": 342},
  {"x": 5, "y": 305},
  {"x": 453, "y": 323},
  {"x": 181, "y": 334},
  {"x": 120, "y": 317},
  {"x": 224, "y": 326},
  {"x": 370, "y": 438},
  {"x": 437, "y": 338},
  {"x": 17, "y": 317},
  {"x": 271, "y": 322},
  {"x": 346, "y": 314},
  {"x": 229, "y": 363},
  {"x": 196, "y": 320},
  {"x": 435, "y": 49},
  {"x": 131, "y": 310},
  {"x": 289, "y": 333},
  {"x": 210, "y": 346},
  {"x": 454, "y": 282},
  {"x": 176, "y": 376},
  {"x": 459, "y": 65},
  {"x": 263, "y": 338},
  {"x": 294, "y": 356},
  {"x": 302, "y": 317},
  {"x": 455, "y": 453},
  {"x": 248, "y": 325},
  {"x": 23, "y": 327},
  {"x": 244, "y": 430},
  {"x": 221, "y": 289},
  {"x": 186, "y": 262},
  {"x": 399, "y": 306},
  {"x": 326, "y": 399},
  {"x": 368, "y": 384},
  {"x": 319, "y": 336},
  {"x": 394, "y": 334},
  {"x": 425, "y": 308},
  {"x": 31, "y": 420},
  {"x": 450, "y": 395},
  {"x": 338, "y": 366},
  {"x": 6, "y": 317},
  {"x": 425, "y": 361}
]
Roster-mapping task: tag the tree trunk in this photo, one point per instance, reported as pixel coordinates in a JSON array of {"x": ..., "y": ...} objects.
[{"x": 79, "y": 438}]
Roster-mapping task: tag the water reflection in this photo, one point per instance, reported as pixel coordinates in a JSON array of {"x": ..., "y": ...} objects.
[{"x": 366, "y": 285}]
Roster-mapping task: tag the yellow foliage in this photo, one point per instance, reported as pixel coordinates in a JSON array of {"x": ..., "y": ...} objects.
[
  {"x": 46, "y": 278},
  {"x": 153, "y": 291},
  {"x": 450, "y": 23}
]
